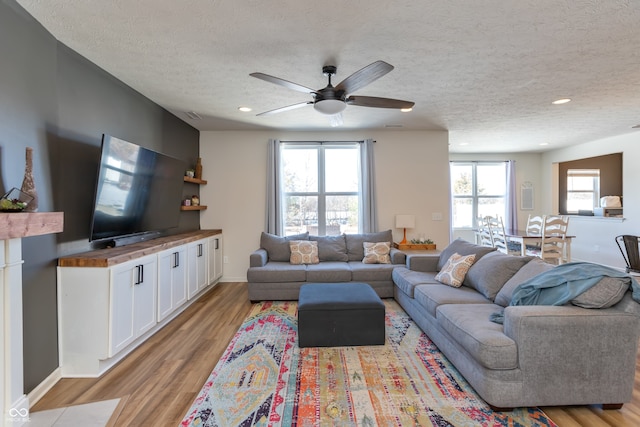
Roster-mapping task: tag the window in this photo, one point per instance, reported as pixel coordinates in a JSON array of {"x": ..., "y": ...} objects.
[
  {"x": 477, "y": 189},
  {"x": 320, "y": 188},
  {"x": 583, "y": 189}
]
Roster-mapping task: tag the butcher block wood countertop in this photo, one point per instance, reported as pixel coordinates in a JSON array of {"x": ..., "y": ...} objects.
[
  {"x": 112, "y": 256},
  {"x": 25, "y": 224}
]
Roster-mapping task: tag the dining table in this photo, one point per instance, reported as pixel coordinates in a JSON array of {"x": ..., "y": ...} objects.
[{"x": 525, "y": 238}]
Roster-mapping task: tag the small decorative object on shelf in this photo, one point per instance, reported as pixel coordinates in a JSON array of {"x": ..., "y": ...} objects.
[
  {"x": 195, "y": 200},
  {"x": 417, "y": 244},
  {"x": 15, "y": 200},
  {"x": 198, "y": 171},
  {"x": 28, "y": 184},
  {"x": 186, "y": 202},
  {"x": 190, "y": 173}
]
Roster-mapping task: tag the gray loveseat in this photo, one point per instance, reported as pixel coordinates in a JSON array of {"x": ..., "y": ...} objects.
[
  {"x": 541, "y": 355},
  {"x": 272, "y": 276}
]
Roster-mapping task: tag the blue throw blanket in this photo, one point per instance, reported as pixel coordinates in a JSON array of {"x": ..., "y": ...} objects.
[{"x": 563, "y": 283}]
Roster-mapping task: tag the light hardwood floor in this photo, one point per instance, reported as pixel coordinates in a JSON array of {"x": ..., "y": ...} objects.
[{"x": 159, "y": 380}]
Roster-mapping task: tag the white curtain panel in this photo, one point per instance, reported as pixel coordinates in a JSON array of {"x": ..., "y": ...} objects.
[
  {"x": 368, "y": 200},
  {"x": 273, "y": 221}
]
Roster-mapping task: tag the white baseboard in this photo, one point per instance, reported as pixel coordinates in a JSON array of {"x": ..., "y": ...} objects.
[
  {"x": 41, "y": 389},
  {"x": 226, "y": 279}
]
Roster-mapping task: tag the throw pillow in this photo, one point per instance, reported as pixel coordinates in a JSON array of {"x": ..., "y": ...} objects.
[
  {"x": 462, "y": 247},
  {"x": 604, "y": 294},
  {"x": 376, "y": 253},
  {"x": 355, "y": 248},
  {"x": 529, "y": 270},
  {"x": 304, "y": 252},
  {"x": 455, "y": 269},
  {"x": 489, "y": 274},
  {"x": 331, "y": 248},
  {"x": 277, "y": 247}
]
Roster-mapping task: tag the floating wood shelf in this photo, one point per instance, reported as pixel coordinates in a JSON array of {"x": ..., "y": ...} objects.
[
  {"x": 24, "y": 224},
  {"x": 195, "y": 180},
  {"x": 192, "y": 208}
]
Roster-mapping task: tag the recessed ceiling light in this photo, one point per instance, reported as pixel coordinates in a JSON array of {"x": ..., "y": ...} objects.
[
  {"x": 544, "y": 143},
  {"x": 561, "y": 101},
  {"x": 406, "y": 110},
  {"x": 464, "y": 143},
  {"x": 244, "y": 109}
]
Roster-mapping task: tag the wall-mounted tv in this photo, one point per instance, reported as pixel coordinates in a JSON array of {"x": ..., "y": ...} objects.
[{"x": 138, "y": 191}]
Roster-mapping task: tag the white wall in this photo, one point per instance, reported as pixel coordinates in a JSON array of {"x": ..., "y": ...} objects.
[
  {"x": 595, "y": 237},
  {"x": 528, "y": 167},
  {"x": 412, "y": 177}
]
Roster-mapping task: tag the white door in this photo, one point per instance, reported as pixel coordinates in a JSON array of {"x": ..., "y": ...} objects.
[
  {"x": 165, "y": 263},
  {"x": 144, "y": 296},
  {"x": 121, "y": 307},
  {"x": 179, "y": 277}
]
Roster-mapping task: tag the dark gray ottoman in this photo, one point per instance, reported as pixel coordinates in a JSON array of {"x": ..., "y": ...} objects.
[{"x": 339, "y": 314}]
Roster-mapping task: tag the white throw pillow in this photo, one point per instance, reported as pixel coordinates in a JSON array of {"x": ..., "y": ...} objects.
[
  {"x": 303, "y": 252},
  {"x": 376, "y": 253},
  {"x": 455, "y": 269}
]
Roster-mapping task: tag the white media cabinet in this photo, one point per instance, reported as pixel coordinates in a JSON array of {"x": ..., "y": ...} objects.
[{"x": 111, "y": 300}]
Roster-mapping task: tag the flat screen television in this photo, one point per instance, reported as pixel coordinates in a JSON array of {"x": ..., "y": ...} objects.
[{"x": 138, "y": 191}]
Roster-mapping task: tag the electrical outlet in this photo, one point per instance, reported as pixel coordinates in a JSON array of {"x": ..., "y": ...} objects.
[{"x": 225, "y": 259}]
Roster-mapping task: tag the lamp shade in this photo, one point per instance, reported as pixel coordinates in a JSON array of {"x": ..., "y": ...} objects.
[
  {"x": 405, "y": 221},
  {"x": 329, "y": 106}
]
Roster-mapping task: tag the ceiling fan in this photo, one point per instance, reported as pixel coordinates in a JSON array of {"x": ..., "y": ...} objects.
[{"x": 332, "y": 100}]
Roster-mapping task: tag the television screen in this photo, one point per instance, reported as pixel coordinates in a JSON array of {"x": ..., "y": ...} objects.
[{"x": 137, "y": 191}]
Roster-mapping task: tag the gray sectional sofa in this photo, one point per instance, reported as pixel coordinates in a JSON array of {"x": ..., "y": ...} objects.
[
  {"x": 271, "y": 276},
  {"x": 540, "y": 355},
  {"x": 582, "y": 352}
]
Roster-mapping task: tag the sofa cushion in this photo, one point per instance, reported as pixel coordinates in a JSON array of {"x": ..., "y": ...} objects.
[
  {"x": 604, "y": 294},
  {"x": 432, "y": 296},
  {"x": 370, "y": 272},
  {"x": 462, "y": 247},
  {"x": 329, "y": 271},
  {"x": 406, "y": 280},
  {"x": 277, "y": 246},
  {"x": 489, "y": 274},
  {"x": 331, "y": 248},
  {"x": 303, "y": 252},
  {"x": 455, "y": 269},
  {"x": 376, "y": 253},
  {"x": 355, "y": 242},
  {"x": 470, "y": 327},
  {"x": 277, "y": 271},
  {"x": 529, "y": 270}
]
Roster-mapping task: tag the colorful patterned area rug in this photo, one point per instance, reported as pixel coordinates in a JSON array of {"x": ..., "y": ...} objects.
[{"x": 265, "y": 379}]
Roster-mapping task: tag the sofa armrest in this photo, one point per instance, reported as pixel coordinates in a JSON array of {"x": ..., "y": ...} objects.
[
  {"x": 424, "y": 263},
  {"x": 397, "y": 256},
  {"x": 258, "y": 258},
  {"x": 587, "y": 348}
]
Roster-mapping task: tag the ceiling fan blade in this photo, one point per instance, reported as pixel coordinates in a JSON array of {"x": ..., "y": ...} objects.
[
  {"x": 372, "y": 101},
  {"x": 287, "y": 108},
  {"x": 282, "y": 82},
  {"x": 365, "y": 76}
]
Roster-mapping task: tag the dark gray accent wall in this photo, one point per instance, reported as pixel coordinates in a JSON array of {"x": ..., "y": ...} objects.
[{"x": 59, "y": 103}]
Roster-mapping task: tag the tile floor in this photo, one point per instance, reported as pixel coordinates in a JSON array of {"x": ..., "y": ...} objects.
[{"x": 95, "y": 414}]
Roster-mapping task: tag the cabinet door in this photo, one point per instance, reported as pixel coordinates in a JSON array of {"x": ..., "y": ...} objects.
[
  {"x": 132, "y": 309},
  {"x": 165, "y": 263},
  {"x": 121, "y": 308},
  {"x": 215, "y": 258},
  {"x": 179, "y": 277},
  {"x": 196, "y": 267}
]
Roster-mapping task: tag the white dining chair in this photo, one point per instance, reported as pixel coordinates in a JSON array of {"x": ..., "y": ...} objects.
[
  {"x": 500, "y": 241},
  {"x": 553, "y": 241},
  {"x": 484, "y": 232}
]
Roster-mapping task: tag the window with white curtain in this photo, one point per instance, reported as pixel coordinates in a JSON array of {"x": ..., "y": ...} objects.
[
  {"x": 477, "y": 189},
  {"x": 320, "y": 188}
]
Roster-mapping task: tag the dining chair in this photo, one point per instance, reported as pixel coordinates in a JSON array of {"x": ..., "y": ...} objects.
[
  {"x": 484, "y": 232},
  {"x": 553, "y": 241},
  {"x": 631, "y": 252},
  {"x": 500, "y": 241}
]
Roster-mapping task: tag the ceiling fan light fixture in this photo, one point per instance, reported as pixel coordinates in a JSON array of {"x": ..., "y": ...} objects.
[
  {"x": 329, "y": 106},
  {"x": 561, "y": 101}
]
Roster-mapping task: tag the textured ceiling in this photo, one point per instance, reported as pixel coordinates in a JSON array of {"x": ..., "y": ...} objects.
[{"x": 486, "y": 71}]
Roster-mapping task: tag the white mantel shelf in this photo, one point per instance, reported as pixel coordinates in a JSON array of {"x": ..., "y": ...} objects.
[
  {"x": 14, "y": 403},
  {"x": 25, "y": 224}
]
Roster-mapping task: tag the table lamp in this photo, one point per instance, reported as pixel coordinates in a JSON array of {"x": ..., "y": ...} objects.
[{"x": 404, "y": 222}]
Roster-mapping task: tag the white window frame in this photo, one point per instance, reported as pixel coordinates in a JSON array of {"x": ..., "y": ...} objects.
[
  {"x": 321, "y": 192},
  {"x": 474, "y": 197},
  {"x": 594, "y": 174}
]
